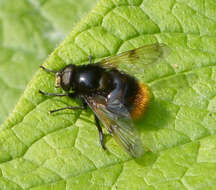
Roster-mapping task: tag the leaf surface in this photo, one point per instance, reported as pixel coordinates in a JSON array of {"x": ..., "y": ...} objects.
[{"x": 62, "y": 151}]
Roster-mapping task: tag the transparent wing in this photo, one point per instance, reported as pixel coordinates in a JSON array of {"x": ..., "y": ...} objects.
[
  {"x": 117, "y": 121},
  {"x": 145, "y": 55}
]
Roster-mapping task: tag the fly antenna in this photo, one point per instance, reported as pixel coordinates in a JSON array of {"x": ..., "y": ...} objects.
[{"x": 48, "y": 70}]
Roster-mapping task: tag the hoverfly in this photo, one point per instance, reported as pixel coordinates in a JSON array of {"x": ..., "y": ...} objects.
[{"x": 114, "y": 96}]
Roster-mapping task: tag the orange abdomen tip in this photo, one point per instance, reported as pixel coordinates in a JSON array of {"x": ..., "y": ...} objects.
[{"x": 141, "y": 102}]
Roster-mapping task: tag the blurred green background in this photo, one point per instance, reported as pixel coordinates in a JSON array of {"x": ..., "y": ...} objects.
[{"x": 29, "y": 32}]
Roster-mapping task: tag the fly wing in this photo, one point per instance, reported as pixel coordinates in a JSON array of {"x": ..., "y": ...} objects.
[
  {"x": 145, "y": 55},
  {"x": 117, "y": 121}
]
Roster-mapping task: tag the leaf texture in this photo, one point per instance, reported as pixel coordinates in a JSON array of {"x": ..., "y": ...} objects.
[{"x": 62, "y": 151}]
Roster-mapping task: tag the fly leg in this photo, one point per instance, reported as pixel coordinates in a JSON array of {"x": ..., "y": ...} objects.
[
  {"x": 52, "y": 94},
  {"x": 101, "y": 135},
  {"x": 68, "y": 107},
  {"x": 71, "y": 95},
  {"x": 90, "y": 59}
]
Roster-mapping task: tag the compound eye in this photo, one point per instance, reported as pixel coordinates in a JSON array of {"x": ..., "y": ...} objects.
[{"x": 66, "y": 79}]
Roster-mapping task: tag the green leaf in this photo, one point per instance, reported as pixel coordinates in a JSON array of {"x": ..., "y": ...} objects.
[
  {"x": 62, "y": 151},
  {"x": 29, "y": 31}
]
